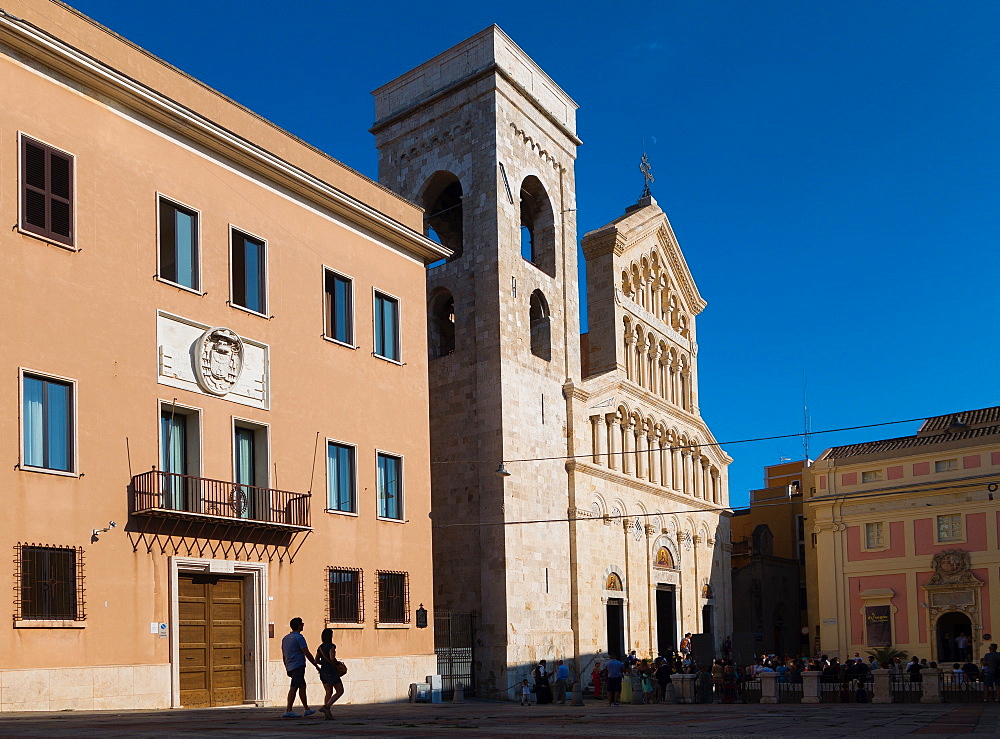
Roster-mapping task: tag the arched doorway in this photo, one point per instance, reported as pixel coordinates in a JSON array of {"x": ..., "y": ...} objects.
[{"x": 950, "y": 626}]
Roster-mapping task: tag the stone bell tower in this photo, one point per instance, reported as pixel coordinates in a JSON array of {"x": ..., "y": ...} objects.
[{"x": 485, "y": 141}]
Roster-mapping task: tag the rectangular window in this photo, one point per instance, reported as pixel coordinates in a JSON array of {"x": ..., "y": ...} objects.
[
  {"x": 346, "y": 596},
  {"x": 247, "y": 258},
  {"x": 340, "y": 486},
  {"x": 946, "y": 465},
  {"x": 179, "y": 245},
  {"x": 251, "y": 497},
  {"x": 393, "y": 598},
  {"x": 47, "y": 429},
  {"x": 339, "y": 320},
  {"x": 874, "y": 535},
  {"x": 50, "y": 583},
  {"x": 386, "y": 327},
  {"x": 949, "y": 528},
  {"x": 179, "y": 459},
  {"x": 46, "y": 191},
  {"x": 871, "y": 476},
  {"x": 390, "y": 486}
]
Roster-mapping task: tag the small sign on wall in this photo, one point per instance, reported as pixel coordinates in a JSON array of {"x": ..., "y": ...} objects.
[{"x": 162, "y": 630}]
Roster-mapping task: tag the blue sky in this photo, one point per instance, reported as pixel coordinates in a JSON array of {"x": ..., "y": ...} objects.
[{"x": 830, "y": 169}]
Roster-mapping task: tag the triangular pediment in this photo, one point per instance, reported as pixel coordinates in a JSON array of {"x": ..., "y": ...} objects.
[{"x": 639, "y": 233}]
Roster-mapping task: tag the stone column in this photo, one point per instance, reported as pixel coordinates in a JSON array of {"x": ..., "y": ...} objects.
[
  {"x": 810, "y": 686},
  {"x": 768, "y": 687},
  {"x": 640, "y": 453},
  {"x": 685, "y": 687},
  {"x": 882, "y": 692},
  {"x": 665, "y": 476},
  {"x": 602, "y": 440},
  {"x": 614, "y": 441},
  {"x": 654, "y": 453},
  {"x": 931, "y": 686},
  {"x": 596, "y": 432},
  {"x": 699, "y": 477},
  {"x": 628, "y": 451},
  {"x": 716, "y": 487},
  {"x": 675, "y": 473}
]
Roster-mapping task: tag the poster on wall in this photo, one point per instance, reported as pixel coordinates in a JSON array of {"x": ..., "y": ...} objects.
[{"x": 878, "y": 626}]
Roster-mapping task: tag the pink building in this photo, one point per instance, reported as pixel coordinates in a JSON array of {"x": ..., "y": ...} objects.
[{"x": 904, "y": 538}]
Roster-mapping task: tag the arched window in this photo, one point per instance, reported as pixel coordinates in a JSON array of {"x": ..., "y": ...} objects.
[
  {"x": 441, "y": 328},
  {"x": 538, "y": 237},
  {"x": 443, "y": 212},
  {"x": 541, "y": 334}
]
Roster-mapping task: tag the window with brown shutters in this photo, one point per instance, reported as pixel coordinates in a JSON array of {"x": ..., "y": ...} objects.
[{"x": 46, "y": 191}]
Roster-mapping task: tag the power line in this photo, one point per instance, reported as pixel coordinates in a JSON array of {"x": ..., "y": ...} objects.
[
  {"x": 692, "y": 446},
  {"x": 842, "y": 498}
]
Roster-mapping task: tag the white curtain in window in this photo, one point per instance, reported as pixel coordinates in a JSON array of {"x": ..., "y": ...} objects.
[{"x": 34, "y": 432}]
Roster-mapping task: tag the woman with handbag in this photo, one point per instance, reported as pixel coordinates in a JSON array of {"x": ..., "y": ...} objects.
[{"x": 330, "y": 671}]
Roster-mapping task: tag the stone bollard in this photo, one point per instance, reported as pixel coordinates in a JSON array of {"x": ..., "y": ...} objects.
[
  {"x": 636, "y": 691},
  {"x": 577, "y": 695},
  {"x": 684, "y": 686},
  {"x": 810, "y": 687},
  {"x": 768, "y": 687},
  {"x": 882, "y": 686},
  {"x": 459, "y": 695},
  {"x": 931, "y": 688}
]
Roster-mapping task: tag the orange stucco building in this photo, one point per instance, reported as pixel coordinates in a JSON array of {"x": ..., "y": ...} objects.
[{"x": 215, "y": 337}]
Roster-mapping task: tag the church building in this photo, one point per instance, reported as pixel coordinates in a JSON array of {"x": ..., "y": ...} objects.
[{"x": 605, "y": 528}]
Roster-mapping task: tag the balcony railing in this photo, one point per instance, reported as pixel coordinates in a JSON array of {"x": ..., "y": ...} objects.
[{"x": 167, "y": 493}]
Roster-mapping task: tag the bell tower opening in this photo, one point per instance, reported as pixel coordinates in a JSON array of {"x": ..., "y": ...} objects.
[
  {"x": 537, "y": 226},
  {"x": 443, "y": 216}
]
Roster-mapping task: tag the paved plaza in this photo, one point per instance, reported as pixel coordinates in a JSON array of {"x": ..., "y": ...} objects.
[{"x": 495, "y": 719}]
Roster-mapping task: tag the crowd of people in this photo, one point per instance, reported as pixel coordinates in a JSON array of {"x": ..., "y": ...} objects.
[{"x": 650, "y": 680}]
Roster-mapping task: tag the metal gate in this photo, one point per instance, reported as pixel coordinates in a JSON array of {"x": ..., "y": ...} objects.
[{"x": 454, "y": 636}]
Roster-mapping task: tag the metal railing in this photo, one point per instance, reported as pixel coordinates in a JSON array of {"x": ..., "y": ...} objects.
[
  {"x": 157, "y": 491},
  {"x": 960, "y": 688},
  {"x": 905, "y": 689}
]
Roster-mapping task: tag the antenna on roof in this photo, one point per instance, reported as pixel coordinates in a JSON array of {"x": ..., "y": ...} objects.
[{"x": 805, "y": 417}]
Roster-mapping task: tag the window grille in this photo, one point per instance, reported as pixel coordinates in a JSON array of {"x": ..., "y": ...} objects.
[
  {"x": 48, "y": 583},
  {"x": 346, "y": 591},
  {"x": 393, "y": 593}
]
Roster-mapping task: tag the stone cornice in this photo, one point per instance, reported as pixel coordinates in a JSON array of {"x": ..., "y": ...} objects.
[
  {"x": 185, "y": 122},
  {"x": 696, "y": 506}
]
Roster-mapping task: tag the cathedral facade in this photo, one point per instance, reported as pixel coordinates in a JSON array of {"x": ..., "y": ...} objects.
[{"x": 606, "y": 531}]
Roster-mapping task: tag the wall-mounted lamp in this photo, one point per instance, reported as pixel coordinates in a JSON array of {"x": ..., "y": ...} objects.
[
  {"x": 502, "y": 471},
  {"x": 97, "y": 532},
  {"x": 421, "y": 617}
]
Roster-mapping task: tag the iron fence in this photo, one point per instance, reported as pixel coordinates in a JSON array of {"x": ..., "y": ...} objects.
[
  {"x": 904, "y": 689},
  {"x": 454, "y": 635},
  {"x": 750, "y": 690},
  {"x": 789, "y": 692},
  {"x": 958, "y": 688},
  {"x": 168, "y": 491}
]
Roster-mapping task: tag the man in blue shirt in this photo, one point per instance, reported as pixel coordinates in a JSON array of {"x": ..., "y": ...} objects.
[
  {"x": 562, "y": 677},
  {"x": 614, "y": 668},
  {"x": 294, "y": 652}
]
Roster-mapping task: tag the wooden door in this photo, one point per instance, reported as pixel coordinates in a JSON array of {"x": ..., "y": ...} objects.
[{"x": 211, "y": 645}]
